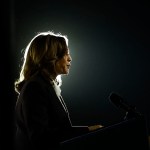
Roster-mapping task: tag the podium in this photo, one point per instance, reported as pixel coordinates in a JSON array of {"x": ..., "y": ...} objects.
[{"x": 126, "y": 135}]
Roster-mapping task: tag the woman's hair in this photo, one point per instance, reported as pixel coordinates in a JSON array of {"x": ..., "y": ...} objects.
[{"x": 41, "y": 54}]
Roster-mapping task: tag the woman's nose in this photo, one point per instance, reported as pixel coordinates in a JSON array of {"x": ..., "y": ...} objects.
[{"x": 69, "y": 58}]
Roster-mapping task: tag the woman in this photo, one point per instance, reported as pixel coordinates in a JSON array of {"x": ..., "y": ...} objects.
[{"x": 42, "y": 117}]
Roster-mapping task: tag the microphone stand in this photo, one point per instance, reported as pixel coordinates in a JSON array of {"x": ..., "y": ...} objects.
[{"x": 132, "y": 113}]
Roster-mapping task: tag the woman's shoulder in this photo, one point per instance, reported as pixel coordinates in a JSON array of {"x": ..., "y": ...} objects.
[
  {"x": 37, "y": 85},
  {"x": 38, "y": 80}
]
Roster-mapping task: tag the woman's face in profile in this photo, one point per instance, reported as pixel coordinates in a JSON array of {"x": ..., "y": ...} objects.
[{"x": 63, "y": 64}]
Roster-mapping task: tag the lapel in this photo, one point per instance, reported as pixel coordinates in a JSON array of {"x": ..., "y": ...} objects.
[
  {"x": 58, "y": 93},
  {"x": 63, "y": 103}
]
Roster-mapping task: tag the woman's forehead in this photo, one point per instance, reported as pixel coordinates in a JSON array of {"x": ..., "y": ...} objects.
[{"x": 68, "y": 50}]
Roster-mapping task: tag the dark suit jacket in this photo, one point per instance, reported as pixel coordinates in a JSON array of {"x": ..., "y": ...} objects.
[{"x": 42, "y": 122}]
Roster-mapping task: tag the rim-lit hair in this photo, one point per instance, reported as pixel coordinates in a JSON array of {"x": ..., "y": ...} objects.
[{"x": 41, "y": 54}]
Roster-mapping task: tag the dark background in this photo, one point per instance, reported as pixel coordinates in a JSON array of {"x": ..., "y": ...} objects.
[{"x": 109, "y": 45}]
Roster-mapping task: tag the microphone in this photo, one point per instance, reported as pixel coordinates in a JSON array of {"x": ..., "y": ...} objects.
[{"x": 119, "y": 102}]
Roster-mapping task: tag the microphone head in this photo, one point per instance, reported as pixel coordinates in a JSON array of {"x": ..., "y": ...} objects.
[{"x": 115, "y": 99}]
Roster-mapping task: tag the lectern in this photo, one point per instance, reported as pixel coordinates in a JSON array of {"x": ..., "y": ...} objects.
[{"x": 129, "y": 134}]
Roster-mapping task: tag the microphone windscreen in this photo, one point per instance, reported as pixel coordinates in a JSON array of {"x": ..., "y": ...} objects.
[{"x": 115, "y": 99}]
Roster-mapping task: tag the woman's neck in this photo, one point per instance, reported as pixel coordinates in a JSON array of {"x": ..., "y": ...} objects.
[{"x": 48, "y": 75}]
